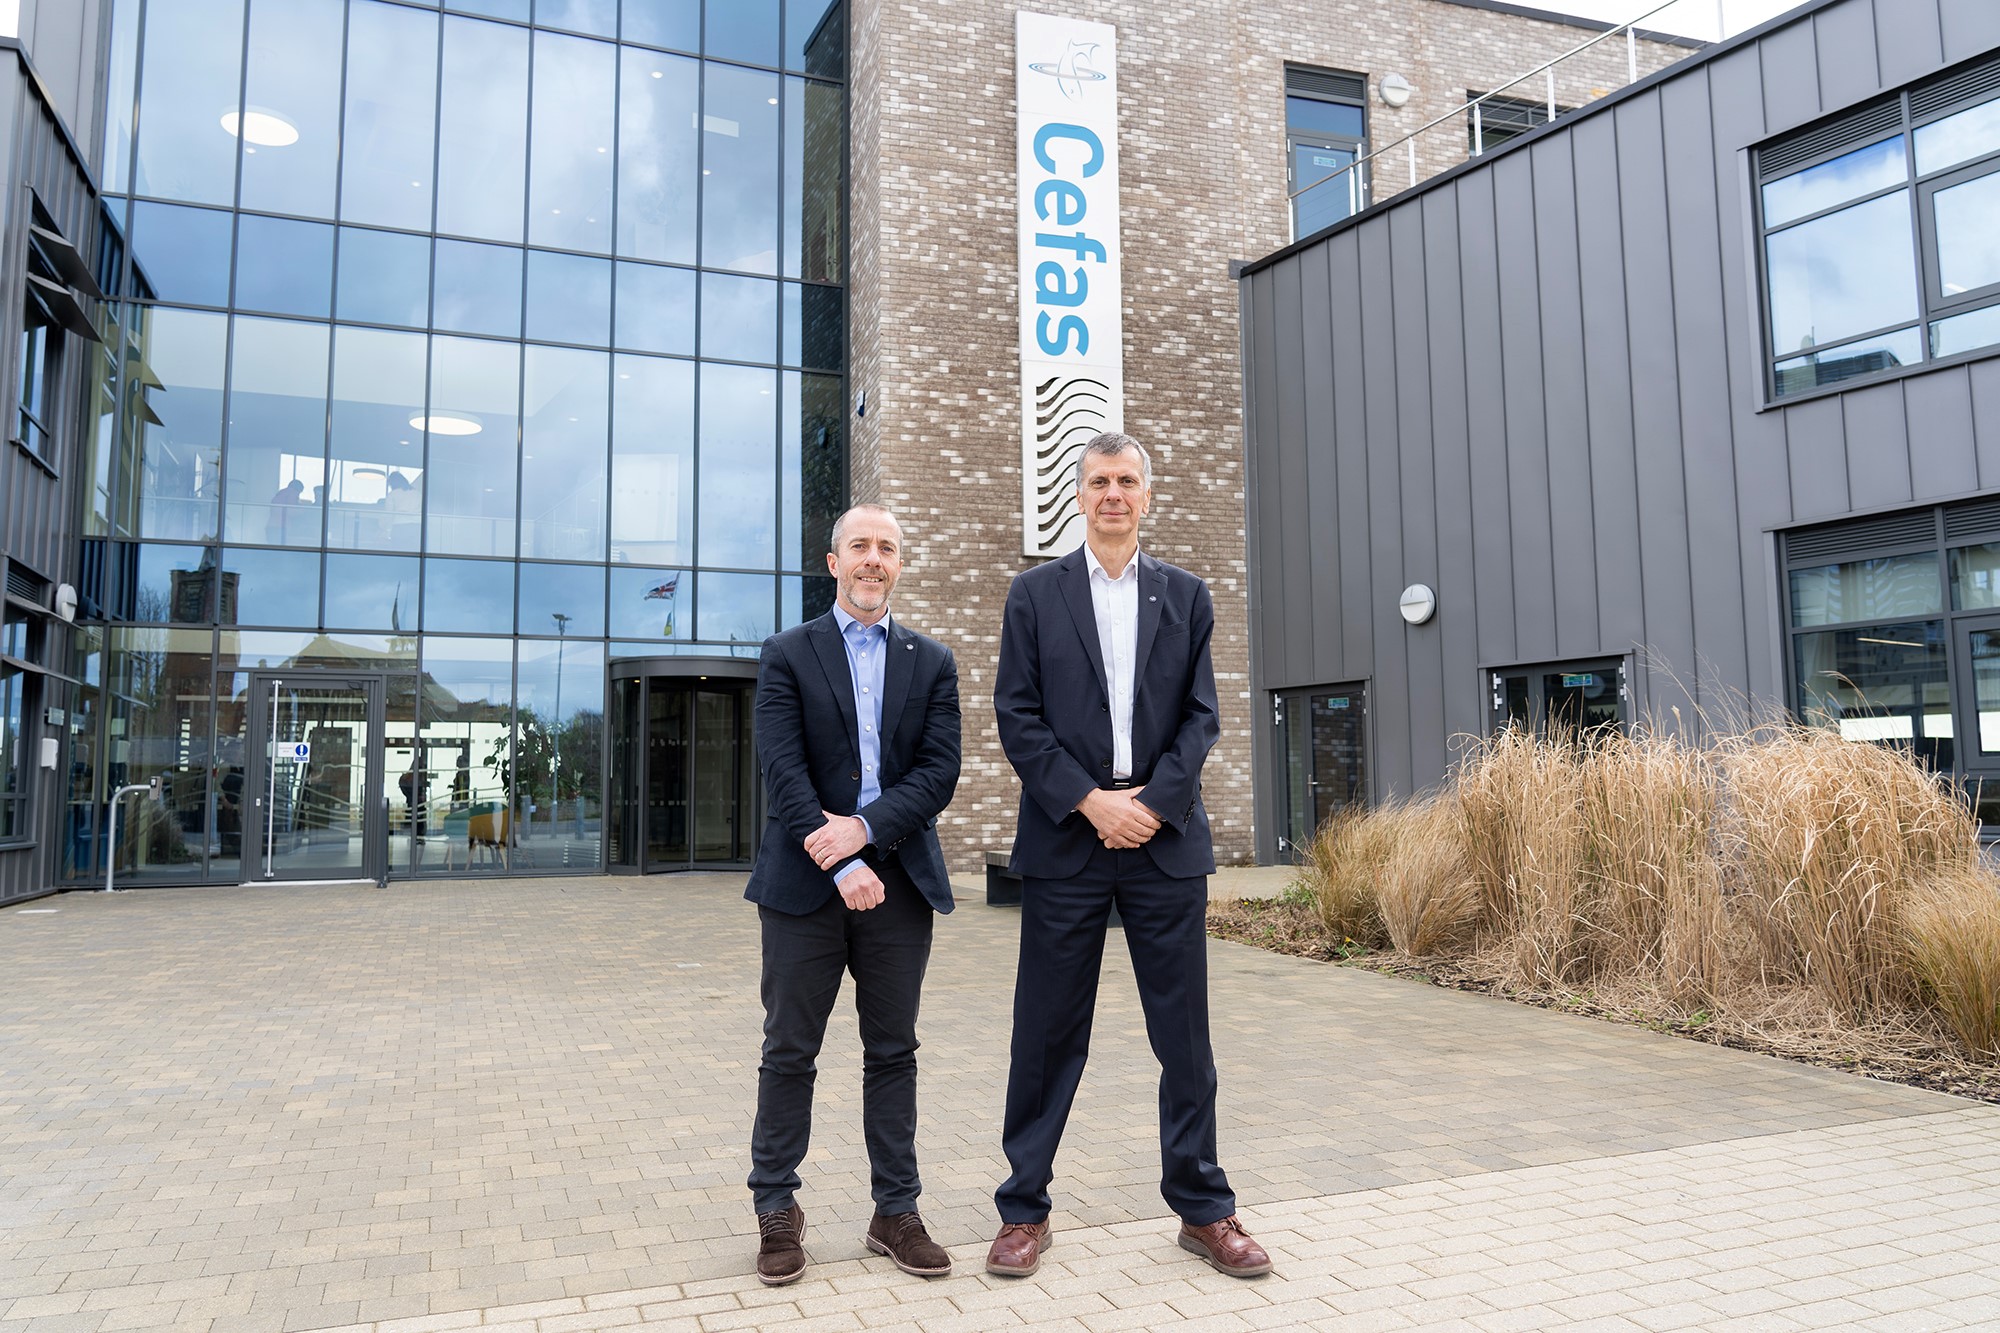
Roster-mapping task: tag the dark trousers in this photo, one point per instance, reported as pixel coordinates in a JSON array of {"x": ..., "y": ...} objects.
[
  {"x": 1055, "y": 997},
  {"x": 886, "y": 948}
]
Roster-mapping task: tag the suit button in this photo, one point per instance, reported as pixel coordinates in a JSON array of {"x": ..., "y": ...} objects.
[
  {"x": 1104, "y": 708},
  {"x": 1104, "y": 763},
  {"x": 854, "y": 777}
]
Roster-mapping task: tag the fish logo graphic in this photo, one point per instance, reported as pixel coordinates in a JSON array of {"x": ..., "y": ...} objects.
[{"x": 1075, "y": 69}]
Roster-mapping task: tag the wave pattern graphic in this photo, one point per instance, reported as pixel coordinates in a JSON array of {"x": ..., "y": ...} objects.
[{"x": 1069, "y": 410}]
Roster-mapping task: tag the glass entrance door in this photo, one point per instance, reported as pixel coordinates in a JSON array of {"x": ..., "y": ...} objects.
[
  {"x": 684, "y": 789},
  {"x": 1323, "y": 751},
  {"x": 316, "y": 802}
]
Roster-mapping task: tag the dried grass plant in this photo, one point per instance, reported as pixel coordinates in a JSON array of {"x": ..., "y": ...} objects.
[
  {"x": 1952, "y": 932},
  {"x": 1426, "y": 895},
  {"x": 1340, "y": 867},
  {"x": 1522, "y": 814}
]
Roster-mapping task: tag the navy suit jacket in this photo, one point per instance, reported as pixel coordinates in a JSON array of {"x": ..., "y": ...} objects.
[
  {"x": 1055, "y": 714},
  {"x": 808, "y": 743}
]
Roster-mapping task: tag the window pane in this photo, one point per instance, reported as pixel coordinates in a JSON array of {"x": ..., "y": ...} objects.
[
  {"x": 474, "y": 434},
  {"x": 1898, "y": 585},
  {"x": 482, "y": 130},
  {"x": 655, "y": 309},
  {"x": 651, "y": 604},
  {"x": 191, "y": 80},
  {"x": 1966, "y": 333},
  {"x": 1975, "y": 577},
  {"x": 599, "y": 18},
  {"x": 13, "y": 738},
  {"x": 737, "y": 608},
  {"x": 1331, "y": 197},
  {"x": 652, "y": 461},
  {"x": 478, "y": 289},
  {"x": 277, "y": 588},
  {"x": 291, "y": 123},
  {"x": 378, "y": 389},
  {"x": 815, "y": 155},
  {"x": 744, "y": 30},
  {"x": 1842, "y": 274},
  {"x": 1985, "y": 652},
  {"x": 276, "y": 459},
  {"x": 176, "y": 583},
  {"x": 575, "y": 592},
  {"x": 657, "y": 145},
  {"x": 1968, "y": 246},
  {"x": 469, "y": 596},
  {"x": 385, "y": 277},
  {"x": 675, "y": 23},
  {"x": 1875, "y": 167},
  {"x": 570, "y": 185},
  {"x": 564, "y": 439},
  {"x": 465, "y": 738},
  {"x": 739, "y": 318},
  {"x": 1314, "y": 116},
  {"x": 1882, "y": 683},
  {"x": 815, "y": 37},
  {"x": 823, "y": 331},
  {"x": 1848, "y": 362},
  {"x": 739, "y": 196},
  {"x": 822, "y": 468},
  {"x": 738, "y": 505},
  {"x": 371, "y": 592},
  {"x": 569, "y": 298},
  {"x": 181, "y": 254},
  {"x": 391, "y": 116},
  {"x": 285, "y": 268},
  {"x": 121, "y": 90},
  {"x": 1960, "y": 138},
  {"x": 561, "y": 729},
  {"x": 157, "y": 705},
  {"x": 180, "y": 453},
  {"x": 499, "y": 9}
]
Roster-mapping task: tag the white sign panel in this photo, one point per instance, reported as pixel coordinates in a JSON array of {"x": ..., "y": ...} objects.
[{"x": 1072, "y": 324}]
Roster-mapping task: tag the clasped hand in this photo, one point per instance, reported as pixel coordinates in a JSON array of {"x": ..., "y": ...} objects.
[
  {"x": 1120, "y": 818},
  {"x": 840, "y": 837}
]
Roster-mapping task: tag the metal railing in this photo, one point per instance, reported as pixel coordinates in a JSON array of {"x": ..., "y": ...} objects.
[{"x": 1548, "y": 69}]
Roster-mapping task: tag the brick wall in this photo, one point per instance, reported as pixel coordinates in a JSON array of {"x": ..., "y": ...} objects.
[{"x": 1202, "y": 162}]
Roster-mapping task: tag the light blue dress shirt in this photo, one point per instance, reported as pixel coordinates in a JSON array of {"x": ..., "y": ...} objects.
[{"x": 867, "y": 665}]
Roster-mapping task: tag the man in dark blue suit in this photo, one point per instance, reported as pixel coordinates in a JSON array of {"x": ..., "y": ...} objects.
[
  {"x": 857, "y": 732},
  {"x": 1107, "y": 710}
]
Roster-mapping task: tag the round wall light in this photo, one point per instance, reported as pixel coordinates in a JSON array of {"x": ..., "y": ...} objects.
[
  {"x": 1418, "y": 603},
  {"x": 1395, "y": 90},
  {"x": 443, "y": 425},
  {"x": 267, "y": 129}
]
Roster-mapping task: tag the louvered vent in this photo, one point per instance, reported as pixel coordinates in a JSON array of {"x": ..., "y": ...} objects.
[
  {"x": 25, "y": 585},
  {"x": 1976, "y": 519},
  {"x": 1825, "y": 545},
  {"x": 1856, "y": 128},
  {"x": 1977, "y": 84},
  {"x": 1326, "y": 83}
]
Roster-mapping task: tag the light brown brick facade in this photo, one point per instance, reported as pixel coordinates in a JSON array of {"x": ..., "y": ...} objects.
[{"x": 1202, "y": 162}]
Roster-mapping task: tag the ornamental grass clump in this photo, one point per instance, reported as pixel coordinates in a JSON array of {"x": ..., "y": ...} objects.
[
  {"x": 1426, "y": 896},
  {"x": 1951, "y": 927},
  {"x": 1340, "y": 868},
  {"x": 1524, "y": 834}
]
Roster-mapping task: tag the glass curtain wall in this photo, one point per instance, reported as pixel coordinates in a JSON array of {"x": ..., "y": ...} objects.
[{"x": 472, "y": 342}]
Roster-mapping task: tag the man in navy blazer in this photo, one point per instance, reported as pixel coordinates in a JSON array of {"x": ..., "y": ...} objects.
[
  {"x": 1107, "y": 710},
  {"x": 857, "y": 733}
]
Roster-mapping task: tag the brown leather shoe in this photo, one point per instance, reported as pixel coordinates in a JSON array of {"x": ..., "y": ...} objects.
[
  {"x": 902, "y": 1237},
  {"x": 1017, "y": 1250},
  {"x": 781, "y": 1253},
  {"x": 1227, "y": 1247}
]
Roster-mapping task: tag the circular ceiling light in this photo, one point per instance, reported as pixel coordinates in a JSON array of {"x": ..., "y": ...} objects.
[
  {"x": 267, "y": 129},
  {"x": 444, "y": 425}
]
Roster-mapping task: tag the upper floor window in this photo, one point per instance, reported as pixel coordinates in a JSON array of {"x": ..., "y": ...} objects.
[
  {"x": 1326, "y": 133},
  {"x": 1877, "y": 237},
  {"x": 1495, "y": 120}
]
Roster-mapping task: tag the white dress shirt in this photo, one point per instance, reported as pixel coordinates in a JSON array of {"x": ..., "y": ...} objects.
[{"x": 1115, "y": 603}]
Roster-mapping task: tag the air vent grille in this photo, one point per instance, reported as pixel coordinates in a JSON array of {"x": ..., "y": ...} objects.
[
  {"x": 1327, "y": 83},
  {"x": 1977, "y": 84},
  {"x": 1978, "y": 518},
  {"x": 25, "y": 585},
  {"x": 1853, "y": 130},
  {"x": 1825, "y": 545}
]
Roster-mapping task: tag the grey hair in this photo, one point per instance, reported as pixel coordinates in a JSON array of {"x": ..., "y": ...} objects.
[
  {"x": 840, "y": 524},
  {"x": 1109, "y": 445}
]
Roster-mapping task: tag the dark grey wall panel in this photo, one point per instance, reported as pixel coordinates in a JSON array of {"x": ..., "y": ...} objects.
[
  {"x": 1844, "y": 40},
  {"x": 1968, "y": 27},
  {"x": 1321, "y": 494},
  {"x": 1572, "y": 526},
  {"x": 1457, "y": 572},
  {"x": 1486, "y": 430},
  {"x": 1292, "y": 581},
  {"x": 1527, "y": 422},
  {"x": 1417, "y": 483},
  {"x": 1878, "y": 446},
  {"x": 1391, "y": 702},
  {"x": 1907, "y": 39},
  {"x": 1816, "y": 440},
  {"x": 1791, "y": 76},
  {"x": 1350, "y": 396},
  {"x": 1985, "y": 377},
  {"x": 1938, "y": 409},
  {"x": 1267, "y": 514}
]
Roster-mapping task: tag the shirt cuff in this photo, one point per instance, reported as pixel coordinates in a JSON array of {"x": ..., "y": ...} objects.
[{"x": 848, "y": 869}]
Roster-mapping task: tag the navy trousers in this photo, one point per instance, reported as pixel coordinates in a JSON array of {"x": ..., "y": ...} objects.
[{"x": 1055, "y": 998}]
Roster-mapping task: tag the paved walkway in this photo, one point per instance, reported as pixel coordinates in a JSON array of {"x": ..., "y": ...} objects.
[{"x": 525, "y": 1104}]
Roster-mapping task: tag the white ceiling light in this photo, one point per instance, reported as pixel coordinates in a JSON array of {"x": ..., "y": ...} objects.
[
  {"x": 444, "y": 425},
  {"x": 265, "y": 128}
]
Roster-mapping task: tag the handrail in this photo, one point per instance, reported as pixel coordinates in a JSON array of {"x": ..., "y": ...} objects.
[{"x": 1632, "y": 69}]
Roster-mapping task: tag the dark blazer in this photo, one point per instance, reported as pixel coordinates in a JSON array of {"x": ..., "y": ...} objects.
[
  {"x": 1055, "y": 713},
  {"x": 808, "y": 743}
]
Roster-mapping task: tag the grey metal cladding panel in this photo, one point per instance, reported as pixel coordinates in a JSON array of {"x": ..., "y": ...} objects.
[
  {"x": 1715, "y": 559},
  {"x": 1907, "y": 39},
  {"x": 1415, "y": 445},
  {"x": 1320, "y": 494},
  {"x": 1968, "y": 27},
  {"x": 1878, "y": 445},
  {"x": 1791, "y": 76},
  {"x": 1527, "y": 424},
  {"x": 1816, "y": 444},
  {"x": 1845, "y": 38},
  {"x": 1486, "y": 429},
  {"x": 1391, "y": 702},
  {"x": 1267, "y": 566},
  {"x": 1350, "y": 444},
  {"x": 1985, "y": 377},
  {"x": 1939, "y": 409},
  {"x": 1614, "y": 485},
  {"x": 1457, "y": 571},
  {"x": 1656, "y": 418},
  {"x": 1290, "y": 581},
  {"x": 1572, "y": 524}
]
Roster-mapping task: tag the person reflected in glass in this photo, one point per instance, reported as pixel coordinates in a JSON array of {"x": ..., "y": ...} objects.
[
  {"x": 402, "y": 502},
  {"x": 289, "y": 497}
]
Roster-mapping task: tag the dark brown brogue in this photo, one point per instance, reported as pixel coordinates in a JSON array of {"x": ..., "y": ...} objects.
[
  {"x": 781, "y": 1249},
  {"x": 902, "y": 1237},
  {"x": 1227, "y": 1247},
  {"x": 1017, "y": 1250}
]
